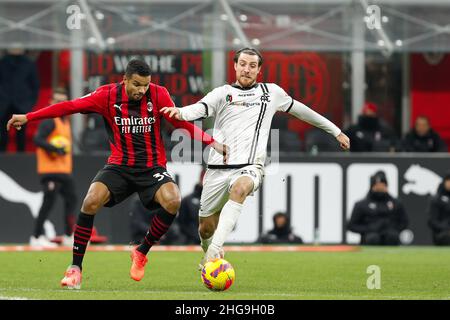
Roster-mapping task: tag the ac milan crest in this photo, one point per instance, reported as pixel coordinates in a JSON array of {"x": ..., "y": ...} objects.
[{"x": 149, "y": 106}]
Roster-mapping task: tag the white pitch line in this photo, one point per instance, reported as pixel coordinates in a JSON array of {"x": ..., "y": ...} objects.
[
  {"x": 300, "y": 295},
  {"x": 144, "y": 291},
  {"x": 12, "y": 298}
]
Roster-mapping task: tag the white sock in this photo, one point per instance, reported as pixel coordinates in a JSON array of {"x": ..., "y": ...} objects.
[
  {"x": 228, "y": 219},
  {"x": 204, "y": 243}
]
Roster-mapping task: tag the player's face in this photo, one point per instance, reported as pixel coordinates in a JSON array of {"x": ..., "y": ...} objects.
[
  {"x": 136, "y": 86},
  {"x": 247, "y": 69}
]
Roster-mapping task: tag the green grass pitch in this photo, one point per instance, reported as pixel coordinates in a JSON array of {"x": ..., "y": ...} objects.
[{"x": 406, "y": 273}]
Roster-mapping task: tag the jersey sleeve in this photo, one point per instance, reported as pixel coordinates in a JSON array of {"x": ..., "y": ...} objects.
[
  {"x": 212, "y": 101},
  {"x": 95, "y": 102},
  {"x": 283, "y": 101},
  {"x": 195, "y": 132}
]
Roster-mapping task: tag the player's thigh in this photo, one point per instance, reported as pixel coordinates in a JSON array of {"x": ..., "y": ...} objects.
[
  {"x": 214, "y": 193},
  {"x": 98, "y": 195},
  {"x": 157, "y": 188},
  {"x": 109, "y": 187},
  {"x": 246, "y": 181},
  {"x": 241, "y": 188}
]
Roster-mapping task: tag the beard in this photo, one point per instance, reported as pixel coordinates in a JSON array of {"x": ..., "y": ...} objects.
[
  {"x": 246, "y": 82},
  {"x": 135, "y": 97}
]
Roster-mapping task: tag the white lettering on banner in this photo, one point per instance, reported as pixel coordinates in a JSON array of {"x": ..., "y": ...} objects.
[
  {"x": 12, "y": 191},
  {"x": 358, "y": 184},
  {"x": 302, "y": 196},
  {"x": 330, "y": 197},
  {"x": 163, "y": 63},
  {"x": 275, "y": 189},
  {"x": 420, "y": 181},
  {"x": 196, "y": 84}
]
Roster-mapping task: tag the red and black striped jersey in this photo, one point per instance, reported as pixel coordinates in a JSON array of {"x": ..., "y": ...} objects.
[{"x": 134, "y": 127}]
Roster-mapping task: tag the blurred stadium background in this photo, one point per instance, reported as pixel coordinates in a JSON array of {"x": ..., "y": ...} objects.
[{"x": 333, "y": 55}]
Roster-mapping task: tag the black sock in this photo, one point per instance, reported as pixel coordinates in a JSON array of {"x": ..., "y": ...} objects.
[
  {"x": 82, "y": 235},
  {"x": 158, "y": 227}
]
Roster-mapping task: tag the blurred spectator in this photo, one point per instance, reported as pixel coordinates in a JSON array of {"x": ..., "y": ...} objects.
[
  {"x": 54, "y": 164},
  {"x": 281, "y": 232},
  {"x": 188, "y": 216},
  {"x": 379, "y": 218},
  {"x": 287, "y": 140},
  {"x": 140, "y": 219},
  {"x": 19, "y": 89},
  {"x": 317, "y": 140},
  {"x": 94, "y": 138},
  {"x": 440, "y": 213},
  {"x": 422, "y": 138},
  {"x": 371, "y": 133}
]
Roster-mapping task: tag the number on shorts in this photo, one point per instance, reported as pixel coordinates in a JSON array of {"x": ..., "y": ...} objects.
[{"x": 160, "y": 176}]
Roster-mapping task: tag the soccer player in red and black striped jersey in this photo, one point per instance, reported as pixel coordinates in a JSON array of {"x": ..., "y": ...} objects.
[{"x": 131, "y": 111}]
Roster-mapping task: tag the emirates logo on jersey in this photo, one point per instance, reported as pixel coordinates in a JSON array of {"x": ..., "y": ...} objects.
[
  {"x": 229, "y": 98},
  {"x": 135, "y": 124},
  {"x": 149, "y": 106}
]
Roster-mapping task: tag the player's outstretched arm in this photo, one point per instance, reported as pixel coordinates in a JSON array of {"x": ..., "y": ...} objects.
[
  {"x": 94, "y": 102},
  {"x": 344, "y": 141},
  {"x": 302, "y": 112},
  {"x": 188, "y": 113}
]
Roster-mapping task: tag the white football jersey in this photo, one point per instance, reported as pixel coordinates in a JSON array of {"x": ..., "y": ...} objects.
[{"x": 243, "y": 119}]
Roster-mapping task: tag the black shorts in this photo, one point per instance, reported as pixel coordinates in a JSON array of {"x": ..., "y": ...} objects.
[{"x": 124, "y": 181}]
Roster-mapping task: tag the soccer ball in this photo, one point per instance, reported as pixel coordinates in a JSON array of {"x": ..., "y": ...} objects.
[
  {"x": 218, "y": 275},
  {"x": 60, "y": 142}
]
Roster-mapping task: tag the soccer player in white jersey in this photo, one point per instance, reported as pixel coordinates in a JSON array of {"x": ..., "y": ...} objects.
[{"x": 243, "y": 114}]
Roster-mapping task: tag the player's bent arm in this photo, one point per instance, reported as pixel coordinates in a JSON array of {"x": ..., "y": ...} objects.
[
  {"x": 302, "y": 112},
  {"x": 40, "y": 138},
  {"x": 194, "y": 131}
]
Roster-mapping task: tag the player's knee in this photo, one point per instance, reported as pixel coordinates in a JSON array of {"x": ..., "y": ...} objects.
[
  {"x": 239, "y": 192},
  {"x": 172, "y": 204},
  {"x": 91, "y": 204}
]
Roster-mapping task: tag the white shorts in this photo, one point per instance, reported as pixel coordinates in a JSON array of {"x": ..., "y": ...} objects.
[{"x": 217, "y": 184}]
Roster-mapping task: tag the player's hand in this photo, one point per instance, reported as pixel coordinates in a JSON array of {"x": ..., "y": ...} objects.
[
  {"x": 17, "y": 121},
  {"x": 173, "y": 112},
  {"x": 223, "y": 149},
  {"x": 344, "y": 141}
]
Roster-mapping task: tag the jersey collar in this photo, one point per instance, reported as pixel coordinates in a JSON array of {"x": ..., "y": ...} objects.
[{"x": 235, "y": 85}]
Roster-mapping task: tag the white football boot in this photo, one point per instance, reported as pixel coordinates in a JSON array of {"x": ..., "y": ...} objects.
[
  {"x": 213, "y": 252},
  {"x": 41, "y": 242}
]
